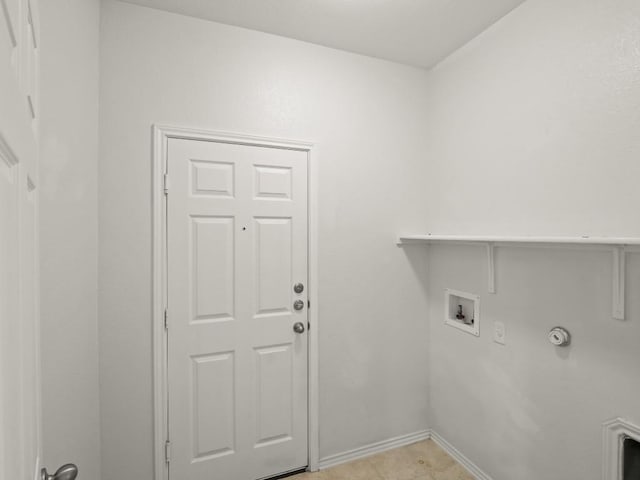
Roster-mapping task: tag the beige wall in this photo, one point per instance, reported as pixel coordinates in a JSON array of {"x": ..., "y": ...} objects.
[
  {"x": 69, "y": 233},
  {"x": 368, "y": 119}
]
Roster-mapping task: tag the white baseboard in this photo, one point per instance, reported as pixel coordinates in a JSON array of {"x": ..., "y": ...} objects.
[
  {"x": 471, "y": 467},
  {"x": 373, "y": 448}
]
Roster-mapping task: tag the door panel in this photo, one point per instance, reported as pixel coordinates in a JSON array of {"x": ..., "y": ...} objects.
[
  {"x": 273, "y": 265},
  {"x": 237, "y": 243},
  {"x": 274, "y": 399},
  {"x": 273, "y": 182},
  {"x": 212, "y": 178},
  {"x": 212, "y": 264},
  {"x": 213, "y": 405}
]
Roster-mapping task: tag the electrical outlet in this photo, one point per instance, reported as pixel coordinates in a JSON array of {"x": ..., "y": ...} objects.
[{"x": 499, "y": 333}]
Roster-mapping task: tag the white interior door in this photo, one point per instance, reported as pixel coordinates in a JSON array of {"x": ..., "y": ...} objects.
[
  {"x": 237, "y": 244},
  {"x": 20, "y": 444}
]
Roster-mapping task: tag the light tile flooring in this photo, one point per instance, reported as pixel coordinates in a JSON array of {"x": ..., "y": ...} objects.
[{"x": 419, "y": 461}]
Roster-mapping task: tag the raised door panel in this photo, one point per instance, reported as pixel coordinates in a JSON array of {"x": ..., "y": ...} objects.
[
  {"x": 212, "y": 264},
  {"x": 274, "y": 394},
  {"x": 211, "y": 178},
  {"x": 273, "y": 265},
  {"x": 213, "y": 406},
  {"x": 273, "y": 182}
]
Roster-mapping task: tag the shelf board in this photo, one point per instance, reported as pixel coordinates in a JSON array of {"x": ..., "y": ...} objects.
[
  {"x": 617, "y": 245},
  {"x": 584, "y": 240}
]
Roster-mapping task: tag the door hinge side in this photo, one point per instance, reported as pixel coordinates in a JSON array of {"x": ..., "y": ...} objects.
[
  {"x": 166, "y": 319},
  {"x": 167, "y": 451},
  {"x": 166, "y": 183}
]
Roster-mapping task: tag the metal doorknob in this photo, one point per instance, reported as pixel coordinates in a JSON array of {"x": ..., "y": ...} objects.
[
  {"x": 298, "y": 327},
  {"x": 298, "y": 305},
  {"x": 65, "y": 472}
]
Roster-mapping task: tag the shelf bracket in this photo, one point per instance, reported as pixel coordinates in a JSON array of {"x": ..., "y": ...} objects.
[
  {"x": 619, "y": 263},
  {"x": 491, "y": 267}
]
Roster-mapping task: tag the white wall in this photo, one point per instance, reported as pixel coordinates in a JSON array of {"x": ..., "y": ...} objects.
[
  {"x": 533, "y": 125},
  {"x": 367, "y": 117},
  {"x": 68, "y": 233},
  {"x": 533, "y": 129}
]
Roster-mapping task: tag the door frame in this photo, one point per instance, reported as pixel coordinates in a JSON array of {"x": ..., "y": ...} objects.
[{"x": 161, "y": 135}]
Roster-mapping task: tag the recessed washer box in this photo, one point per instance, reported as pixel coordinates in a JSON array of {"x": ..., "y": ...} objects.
[{"x": 462, "y": 311}]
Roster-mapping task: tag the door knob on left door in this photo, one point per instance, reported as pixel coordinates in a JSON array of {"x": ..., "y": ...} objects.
[
  {"x": 298, "y": 305},
  {"x": 298, "y": 327},
  {"x": 65, "y": 472}
]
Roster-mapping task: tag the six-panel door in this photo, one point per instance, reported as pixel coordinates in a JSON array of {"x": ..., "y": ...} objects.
[{"x": 237, "y": 245}]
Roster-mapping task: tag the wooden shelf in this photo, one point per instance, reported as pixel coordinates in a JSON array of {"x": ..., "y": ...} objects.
[{"x": 618, "y": 246}]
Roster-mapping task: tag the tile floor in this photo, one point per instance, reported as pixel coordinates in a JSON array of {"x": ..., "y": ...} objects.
[{"x": 419, "y": 461}]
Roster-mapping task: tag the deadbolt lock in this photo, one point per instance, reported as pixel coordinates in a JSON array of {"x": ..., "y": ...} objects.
[
  {"x": 298, "y": 288},
  {"x": 298, "y": 305}
]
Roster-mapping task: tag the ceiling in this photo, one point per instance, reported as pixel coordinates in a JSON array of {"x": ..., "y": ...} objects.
[{"x": 413, "y": 32}]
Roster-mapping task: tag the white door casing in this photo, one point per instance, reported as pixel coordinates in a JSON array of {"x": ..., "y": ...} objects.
[{"x": 237, "y": 242}]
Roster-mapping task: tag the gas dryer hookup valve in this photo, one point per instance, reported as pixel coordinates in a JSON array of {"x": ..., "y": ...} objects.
[{"x": 559, "y": 337}]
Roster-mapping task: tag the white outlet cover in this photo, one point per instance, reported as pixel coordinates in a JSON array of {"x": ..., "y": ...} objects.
[{"x": 499, "y": 333}]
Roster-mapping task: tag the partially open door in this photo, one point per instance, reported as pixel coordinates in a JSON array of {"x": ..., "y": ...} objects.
[{"x": 20, "y": 419}]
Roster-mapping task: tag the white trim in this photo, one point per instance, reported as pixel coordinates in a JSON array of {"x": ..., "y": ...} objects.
[
  {"x": 313, "y": 338},
  {"x": 618, "y": 288},
  {"x": 584, "y": 240},
  {"x": 161, "y": 134},
  {"x": 471, "y": 467},
  {"x": 158, "y": 303},
  {"x": 614, "y": 432},
  {"x": 373, "y": 448},
  {"x": 491, "y": 267}
]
